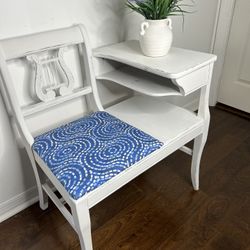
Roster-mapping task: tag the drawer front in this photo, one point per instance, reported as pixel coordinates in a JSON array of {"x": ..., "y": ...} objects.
[{"x": 193, "y": 81}]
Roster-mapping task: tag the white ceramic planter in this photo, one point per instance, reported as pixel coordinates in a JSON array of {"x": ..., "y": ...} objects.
[{"x": 156, "y": 37}]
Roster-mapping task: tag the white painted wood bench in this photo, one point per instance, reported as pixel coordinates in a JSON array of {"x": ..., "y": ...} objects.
[{"x": 168, "y": 127}]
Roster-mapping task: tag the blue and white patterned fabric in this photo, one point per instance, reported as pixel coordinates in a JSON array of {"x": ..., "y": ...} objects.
[{"x": 88, "y": 152}]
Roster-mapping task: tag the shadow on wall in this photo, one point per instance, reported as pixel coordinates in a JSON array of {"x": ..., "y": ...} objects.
[
  {"x": 111, "y": 24},
  {"x": 14, "y": 161}
]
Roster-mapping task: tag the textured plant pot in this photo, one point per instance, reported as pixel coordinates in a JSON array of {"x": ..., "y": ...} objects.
[{"x": 156, "y": 37}]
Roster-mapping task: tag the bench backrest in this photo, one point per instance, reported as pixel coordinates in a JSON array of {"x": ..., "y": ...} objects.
[{"x": 51, "y": 82}]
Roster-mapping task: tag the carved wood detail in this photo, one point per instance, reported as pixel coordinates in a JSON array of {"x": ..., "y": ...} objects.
[{"x": 52, "y": 76}]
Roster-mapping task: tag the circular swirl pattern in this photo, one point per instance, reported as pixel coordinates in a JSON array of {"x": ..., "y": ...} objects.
[{"x": 88, "y": 152}]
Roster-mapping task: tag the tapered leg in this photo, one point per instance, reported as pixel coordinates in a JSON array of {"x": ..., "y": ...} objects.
[
  {"x": 199, "y": 144},
  {"x": 43, "y": 197},
  {"x": 82, "y": 223},
  {"x": 200, "y": 141}
]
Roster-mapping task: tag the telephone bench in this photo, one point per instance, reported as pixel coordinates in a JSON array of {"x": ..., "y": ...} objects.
[{"x": 89, "y": 157}]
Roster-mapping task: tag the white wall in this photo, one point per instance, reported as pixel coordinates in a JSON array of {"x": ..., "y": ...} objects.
[{"x": 104, "y": 22}]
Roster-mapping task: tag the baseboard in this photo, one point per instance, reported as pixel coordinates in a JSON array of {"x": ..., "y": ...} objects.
[
  {"x": 232, "y": 110},
  {"x": 18, "y": 203},
  {"x": 193, "y": 105}
]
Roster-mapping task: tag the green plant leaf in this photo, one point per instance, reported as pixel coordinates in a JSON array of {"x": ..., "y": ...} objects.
[{"x": 159, "y": 9}]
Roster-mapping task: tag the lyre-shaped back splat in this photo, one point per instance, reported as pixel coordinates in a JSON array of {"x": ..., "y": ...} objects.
[{"x": 52, "y": 76}]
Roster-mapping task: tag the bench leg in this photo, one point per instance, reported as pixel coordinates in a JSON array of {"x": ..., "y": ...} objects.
[
  {"x": 200, "y": 141},
  {"x": 199, "y": 144},
  {"x": 82, "y": 223},
  {"x": 43, "y": 197}
]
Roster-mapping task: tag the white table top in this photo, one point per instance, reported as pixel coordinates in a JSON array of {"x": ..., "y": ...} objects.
[{"x": 177, "y": 63}]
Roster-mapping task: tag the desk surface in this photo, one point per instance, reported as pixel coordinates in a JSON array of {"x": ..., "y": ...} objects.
[{"x": 177, "y": 63}]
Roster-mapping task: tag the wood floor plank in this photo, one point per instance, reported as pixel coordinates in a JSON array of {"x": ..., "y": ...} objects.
[{"x": 214, "y": 217}]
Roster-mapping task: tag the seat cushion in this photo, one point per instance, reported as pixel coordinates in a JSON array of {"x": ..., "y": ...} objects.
[{"x": 88, "y": 152}]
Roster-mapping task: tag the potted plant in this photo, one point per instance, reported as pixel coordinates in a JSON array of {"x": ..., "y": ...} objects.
[{"x": 156, "y": 31}]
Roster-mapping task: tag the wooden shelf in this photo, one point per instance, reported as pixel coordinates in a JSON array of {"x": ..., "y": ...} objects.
[
  {"x": 177, "y": 63},
  {"x": 142, "y": 82},
  {"x": 164, "y": 121}
]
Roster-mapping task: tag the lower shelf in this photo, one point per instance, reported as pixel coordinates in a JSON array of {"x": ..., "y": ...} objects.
[
  {"x": 142, "y": 82},
  {"x": 158, "y": 118}
]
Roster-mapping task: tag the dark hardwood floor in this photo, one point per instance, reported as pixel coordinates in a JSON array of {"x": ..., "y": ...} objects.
[{"x": 159, "y": 209}]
